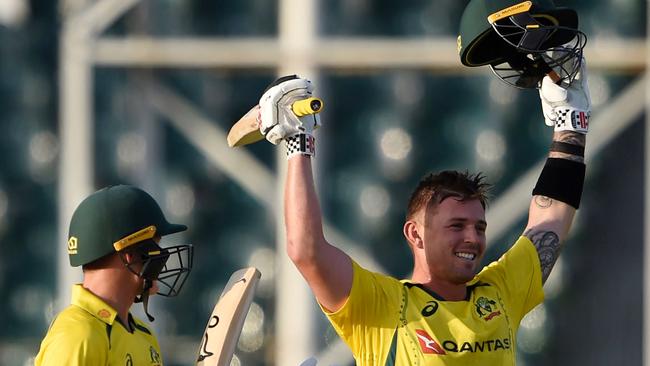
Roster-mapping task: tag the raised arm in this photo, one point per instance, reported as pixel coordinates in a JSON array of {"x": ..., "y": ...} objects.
[
  {"x": 327, "y": 269},
  {"x": 557, "y": 194}
]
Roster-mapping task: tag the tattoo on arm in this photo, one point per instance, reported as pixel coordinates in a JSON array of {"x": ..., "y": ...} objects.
[
  {"x": 548, "y": 248},
  {"x": 543, "y": 201},
  {"x": 572, "y": 138}
]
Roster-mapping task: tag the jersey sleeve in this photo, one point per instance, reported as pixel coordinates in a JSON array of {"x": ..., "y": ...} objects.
[
  {"x": 518, "y": 274},
  {"x": 368, "y": 319}
]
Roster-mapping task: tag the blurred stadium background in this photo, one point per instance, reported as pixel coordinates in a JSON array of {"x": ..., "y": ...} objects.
[{"x": 100, "y": 92}]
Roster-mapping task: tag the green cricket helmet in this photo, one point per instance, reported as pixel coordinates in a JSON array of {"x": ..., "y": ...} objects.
[
  {"x": 125, "y": 218},
  {"x": 521, "y": 41}
]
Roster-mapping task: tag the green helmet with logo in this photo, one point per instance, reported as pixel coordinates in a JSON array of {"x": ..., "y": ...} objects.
[
  {"x": 113, "y": 219},
  {"x": 521, "y": 41}
]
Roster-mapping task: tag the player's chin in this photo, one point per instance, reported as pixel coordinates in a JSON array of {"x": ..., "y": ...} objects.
[{"x": 466, "y": 272}]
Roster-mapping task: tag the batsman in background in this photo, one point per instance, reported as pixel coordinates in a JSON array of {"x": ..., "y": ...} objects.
[
  {"x": 451, "y": 312},
  {"x": 115, "y": 235}
]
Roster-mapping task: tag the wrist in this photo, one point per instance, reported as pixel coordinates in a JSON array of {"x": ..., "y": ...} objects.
[
  {"x": 300, "y": 144},
  {"x": 571, "y": 119},
  {"x": 569, "y": 145}
]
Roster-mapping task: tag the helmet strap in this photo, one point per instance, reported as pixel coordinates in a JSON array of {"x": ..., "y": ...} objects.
[{"x": 144, "y": 298}]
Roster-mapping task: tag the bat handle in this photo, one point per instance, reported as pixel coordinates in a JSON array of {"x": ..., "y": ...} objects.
[{"x": 307, "y": 106}]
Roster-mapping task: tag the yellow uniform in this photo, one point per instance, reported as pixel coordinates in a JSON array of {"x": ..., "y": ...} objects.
[
  {"x": 87, "y": 333},
  {"x": 391, "y": 322}
]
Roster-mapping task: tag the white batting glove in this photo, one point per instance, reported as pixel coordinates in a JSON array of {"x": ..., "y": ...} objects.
[
  {"x": 277, "y": 120},
  {"x": 567, "y": 109}
]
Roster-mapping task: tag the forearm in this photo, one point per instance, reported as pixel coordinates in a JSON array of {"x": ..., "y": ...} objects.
[
  {"x": 302, "y": 213},
  {"x": 326, "y": 268},
  {"x": 556, "y": 212},
  {"x": 550, "y": 218}
]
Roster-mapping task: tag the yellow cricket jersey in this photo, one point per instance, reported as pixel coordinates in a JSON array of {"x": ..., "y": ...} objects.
[
  {"x": 87, "y": 333},
  {"x": 391, "y": 322}
]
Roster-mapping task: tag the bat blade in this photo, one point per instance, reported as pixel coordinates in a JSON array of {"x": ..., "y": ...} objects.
[
  {"x": 246, "y": 130},
  {"x": 227, "y": 319}
]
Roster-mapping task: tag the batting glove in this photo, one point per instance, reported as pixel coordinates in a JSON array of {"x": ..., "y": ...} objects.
[
  {"x": 277, "y": 120},
  {"x": 567, "y": 109}
]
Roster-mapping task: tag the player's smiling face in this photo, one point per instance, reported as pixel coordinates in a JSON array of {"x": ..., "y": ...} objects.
[{"x": 454, "y": 239}]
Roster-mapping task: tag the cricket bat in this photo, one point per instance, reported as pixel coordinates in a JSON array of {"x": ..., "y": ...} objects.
[
  {"x": 227, "y": 319},
  {"x": 247, "y": 129}
]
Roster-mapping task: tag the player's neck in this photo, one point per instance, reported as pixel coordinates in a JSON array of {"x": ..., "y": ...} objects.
[
  {"x": 446, "y": 290},
  {"x": 107, "y": 285}
]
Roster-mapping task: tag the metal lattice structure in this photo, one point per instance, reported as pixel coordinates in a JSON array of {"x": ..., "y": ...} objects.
[{"x": 297, "y": 49}]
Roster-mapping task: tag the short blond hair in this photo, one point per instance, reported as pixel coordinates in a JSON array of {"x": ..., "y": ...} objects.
[{"x": 435, "y": 187}]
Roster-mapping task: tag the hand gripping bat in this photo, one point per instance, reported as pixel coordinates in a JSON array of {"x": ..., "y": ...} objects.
[{"x": 247, "y": 129}]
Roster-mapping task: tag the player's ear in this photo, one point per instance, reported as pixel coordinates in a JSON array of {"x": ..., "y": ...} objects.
[
  {"x": 129, "y": 257},
  {"x": 412, "y": 234}
]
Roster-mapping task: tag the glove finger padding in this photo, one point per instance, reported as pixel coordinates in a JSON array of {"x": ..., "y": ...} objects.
[
  {"x": 277, "y": 120},
  {"x": 567, "y": 108},
  {"x": 282, "y": 131}
]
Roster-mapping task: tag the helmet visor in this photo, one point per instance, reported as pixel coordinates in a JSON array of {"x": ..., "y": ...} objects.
[
  {"x": 176, "y": 269},
  {"x": 169, "y": 266},
  {"x": 541, "y": 48}
]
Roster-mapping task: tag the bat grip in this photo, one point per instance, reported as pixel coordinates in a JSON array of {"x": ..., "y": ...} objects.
[{"x": 307, "y": 106}]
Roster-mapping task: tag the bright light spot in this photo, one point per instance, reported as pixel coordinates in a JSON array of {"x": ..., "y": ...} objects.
[
  {"x": 535, "y": 319},
  {"x": 43, "y": 147},
  {"x": 490, "y": 146},
  {"x": 531, "y": 341},
  {"x": 264, "y": 260},
  {"x": 396, "y": 143},
  {"x": 599, "y": 89},
  {"x": 502, "y": 93},
  {"x": 180, "y": 200},
  {"x": 252, "y": 334},
  {"x": 131, "y": 149},
  {"x": 13, "y": 13},
  {"x": 374, "y": 201},
  {"x": 532, "y": 333}
]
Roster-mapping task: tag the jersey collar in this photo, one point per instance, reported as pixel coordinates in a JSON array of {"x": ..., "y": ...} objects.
[
  {"x": 470, "y": 286},
  {"x": 88, "y": 301}
]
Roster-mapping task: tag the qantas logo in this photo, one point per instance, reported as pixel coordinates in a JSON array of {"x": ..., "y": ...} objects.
[
  {"x": 429, "y": 346},
  {"x": 427, "y": 343}
]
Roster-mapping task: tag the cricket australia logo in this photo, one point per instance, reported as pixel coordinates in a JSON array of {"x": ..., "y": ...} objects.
[
  {"x": 486, "y": 308},
  {"x": 155, "y": 357}
]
